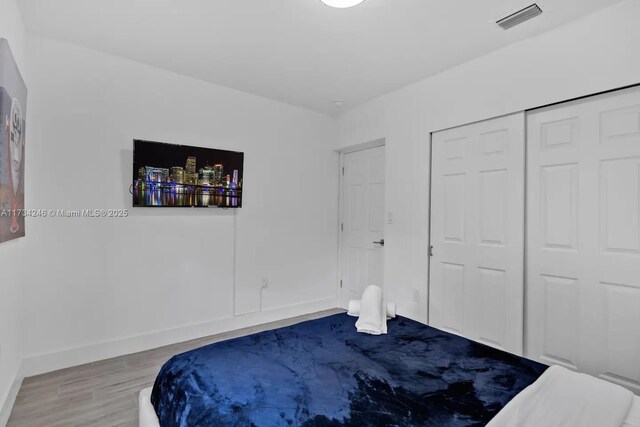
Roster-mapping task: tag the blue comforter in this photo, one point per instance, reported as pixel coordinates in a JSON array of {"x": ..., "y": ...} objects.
[{"x": 323, "y": 373}]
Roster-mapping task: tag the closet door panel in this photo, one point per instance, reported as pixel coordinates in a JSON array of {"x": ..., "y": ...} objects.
[
  {"x": 583, "y": 240},
  {"x": 477, "y": 228},
  {"x": 449, "y": 222}
]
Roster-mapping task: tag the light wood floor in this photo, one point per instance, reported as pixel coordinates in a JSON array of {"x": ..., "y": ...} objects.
[{"x": 105, "y": 393}]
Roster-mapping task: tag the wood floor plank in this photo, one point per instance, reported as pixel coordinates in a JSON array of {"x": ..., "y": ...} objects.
[{"x": 105, "y": 393}]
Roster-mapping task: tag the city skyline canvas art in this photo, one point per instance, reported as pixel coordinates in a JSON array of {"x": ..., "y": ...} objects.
[
  {"x": 171, "y": 175},
  {"x": 13, "y": 108}
]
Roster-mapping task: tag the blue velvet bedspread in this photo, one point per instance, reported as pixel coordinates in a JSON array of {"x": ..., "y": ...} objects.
[{"x": 323, "y": 373}]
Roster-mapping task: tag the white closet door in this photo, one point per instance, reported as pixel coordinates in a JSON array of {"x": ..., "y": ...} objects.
[
  {"x": 477, "y": 232},
  {"x": 583, "y": 251}
]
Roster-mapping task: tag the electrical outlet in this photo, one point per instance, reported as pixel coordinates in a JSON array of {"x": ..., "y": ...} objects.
[{"x": 265, "y": 283}]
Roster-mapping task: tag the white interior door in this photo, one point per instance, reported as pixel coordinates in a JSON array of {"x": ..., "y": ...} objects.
[
  {"x": 362, "y": 240},
  {"x": 477, "y": 232},
  {"x": 583, "y": 251}
]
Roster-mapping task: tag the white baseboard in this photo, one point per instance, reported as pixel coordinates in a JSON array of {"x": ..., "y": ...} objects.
[
  {"x": 7, "y": 405},
  {"x": 43, "y": 363}
]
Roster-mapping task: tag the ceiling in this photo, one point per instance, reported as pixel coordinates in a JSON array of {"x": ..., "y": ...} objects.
[{"x": 297, "y": 51}]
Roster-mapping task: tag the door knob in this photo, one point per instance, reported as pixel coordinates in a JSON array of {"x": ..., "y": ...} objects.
[{"x": 381, "y": 242}]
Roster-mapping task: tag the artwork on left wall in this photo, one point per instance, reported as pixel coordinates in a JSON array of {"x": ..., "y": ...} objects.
[{"x": 13, "y": 108}]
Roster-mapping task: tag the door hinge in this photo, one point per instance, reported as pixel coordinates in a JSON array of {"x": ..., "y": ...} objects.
[
  {"x": 341, "y": 227},
  {"x": 340, "y": 283},
  {"x": 343, "y": 170},
  {"x": 431, "y": 250}
]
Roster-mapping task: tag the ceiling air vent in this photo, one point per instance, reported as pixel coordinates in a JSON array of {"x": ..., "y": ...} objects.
[{"x": 519, "y": 17}]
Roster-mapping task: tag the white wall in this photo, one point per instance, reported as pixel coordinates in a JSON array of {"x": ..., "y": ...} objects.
[
  {"x": 102, "y": 287},
  {"x": 597, "y": 53},
  {"x": 11, "y": 253}
]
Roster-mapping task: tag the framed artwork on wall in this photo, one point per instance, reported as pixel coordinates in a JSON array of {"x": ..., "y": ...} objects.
[{"x": 13, "y": 108}]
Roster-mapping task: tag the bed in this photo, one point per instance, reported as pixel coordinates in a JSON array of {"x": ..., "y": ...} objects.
[{"x": 323, "y": 373}]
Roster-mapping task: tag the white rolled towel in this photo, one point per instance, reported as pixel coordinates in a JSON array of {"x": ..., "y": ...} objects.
[
  {"x": 373, "y": 318},
  {"x": 354, "y": 309}
]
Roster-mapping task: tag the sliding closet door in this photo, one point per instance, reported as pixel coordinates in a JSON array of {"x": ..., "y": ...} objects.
[
  {"x": 477, "y": 232},
  {"x": 583, "y": 251}
]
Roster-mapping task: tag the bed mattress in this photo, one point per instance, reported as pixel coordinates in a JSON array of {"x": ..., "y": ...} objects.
[{"x": 323, "y": 373}]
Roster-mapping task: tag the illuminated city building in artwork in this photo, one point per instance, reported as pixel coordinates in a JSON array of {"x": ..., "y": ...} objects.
[
  {"x": 142, "y": 173},
  {"x": 203, "y": 177},
  {"x": 228, "y": 180},
  {"x": 235, "y": 178},
  {"x": 154, "y": 174},
  {"x": 218, "y": 171},
  {"x": 207, "y": 176},
  {"x": 191, "y": 165},
  {"x": 177, "y": 175},
  {"x": 191, "y": 176}
]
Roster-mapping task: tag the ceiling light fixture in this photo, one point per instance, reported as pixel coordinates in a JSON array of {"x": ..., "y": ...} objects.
[{"x": 342, "y": 4}]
